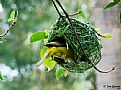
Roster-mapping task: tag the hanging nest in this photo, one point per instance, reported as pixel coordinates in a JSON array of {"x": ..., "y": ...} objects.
[{"x": 61, "y": 29}]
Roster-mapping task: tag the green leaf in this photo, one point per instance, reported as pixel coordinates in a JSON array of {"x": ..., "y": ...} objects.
[
  {"x": 1, "y": 78},
  {"x": 12, "y": 15},
  {"x": 111, "y": 4},
  {"x": 49, "y": 63},
  {"x": 42, "y": 52},
  {"x": 37, "y": 36},
  {"x": 10, "y": 19},
  {"x": 81, "y": 13},
  {"x": 59, "y": 72},
  {"x": 106, "y": 35},
  {"x": 116, "y": 0}
]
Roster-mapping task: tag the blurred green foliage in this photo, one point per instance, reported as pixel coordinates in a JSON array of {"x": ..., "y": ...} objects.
[{"x": 17, "y": 52}]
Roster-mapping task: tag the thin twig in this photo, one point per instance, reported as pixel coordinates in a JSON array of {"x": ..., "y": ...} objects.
[
  {"x": 1, "y": 36},
  {"x": 99, "y": 34},
  {"x": 56, "y": 8},
  {"x": 12, "y": 24},
  {"x": 74, "y": 14},
  {"x": 76, "y": 36}
]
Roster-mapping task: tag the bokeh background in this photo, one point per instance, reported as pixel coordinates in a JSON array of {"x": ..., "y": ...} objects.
[{"x": 18, "y": 56}]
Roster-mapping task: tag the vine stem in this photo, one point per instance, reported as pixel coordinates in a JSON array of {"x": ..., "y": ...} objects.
[
  {"x": 56, "y": 8},
  {"x": 76, "y": 36}
]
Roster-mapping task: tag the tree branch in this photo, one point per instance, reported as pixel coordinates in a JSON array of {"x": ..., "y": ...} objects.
[{"x": 12, "y": 24}]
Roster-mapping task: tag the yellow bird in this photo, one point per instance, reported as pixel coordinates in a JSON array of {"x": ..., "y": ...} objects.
[{"x": 59, "y": 50}]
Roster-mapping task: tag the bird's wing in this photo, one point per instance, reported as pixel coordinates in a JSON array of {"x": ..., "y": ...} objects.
[{"x": 56, "y": 44}]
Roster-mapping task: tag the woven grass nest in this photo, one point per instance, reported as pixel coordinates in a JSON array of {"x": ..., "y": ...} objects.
[{"x": 61, "y": 29}]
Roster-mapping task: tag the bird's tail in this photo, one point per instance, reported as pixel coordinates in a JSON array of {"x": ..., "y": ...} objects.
[{"x": 42, "y": 60}]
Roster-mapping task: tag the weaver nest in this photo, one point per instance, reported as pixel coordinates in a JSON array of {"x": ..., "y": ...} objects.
[{"x": 62, "y": 30}]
